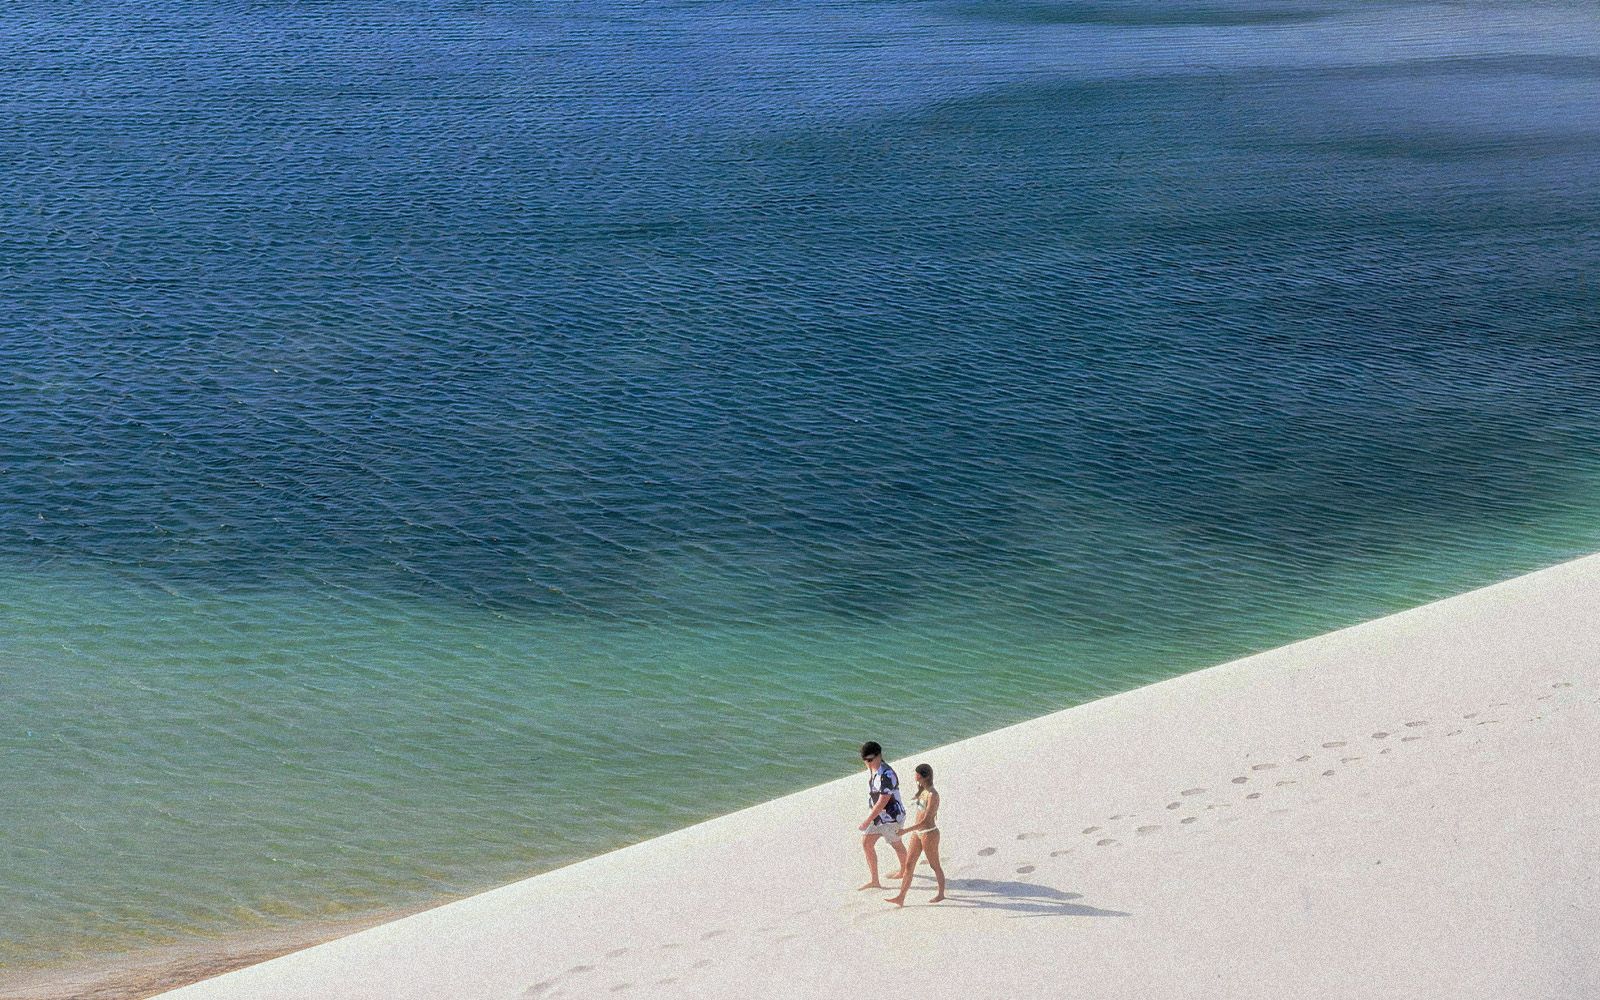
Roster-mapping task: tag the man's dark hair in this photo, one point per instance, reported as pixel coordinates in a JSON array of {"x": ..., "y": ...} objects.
[{"x": 871, "y": 749}]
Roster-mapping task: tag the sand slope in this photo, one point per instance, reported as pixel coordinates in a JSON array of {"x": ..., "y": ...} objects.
[{"x": 1408, "y": 808}]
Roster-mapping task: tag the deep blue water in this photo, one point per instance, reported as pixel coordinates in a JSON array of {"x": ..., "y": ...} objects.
[{"x": 406, "y": 404}]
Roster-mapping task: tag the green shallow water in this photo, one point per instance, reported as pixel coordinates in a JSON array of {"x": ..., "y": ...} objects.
[{"x": 444, "y": 442}]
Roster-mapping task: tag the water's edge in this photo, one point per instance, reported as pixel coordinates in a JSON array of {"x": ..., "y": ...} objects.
[{"x": 149, "y": 973}]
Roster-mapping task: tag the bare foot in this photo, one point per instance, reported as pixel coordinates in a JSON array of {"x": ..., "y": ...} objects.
[
  {"x": 896, "y": 876},
  {"x": 896, "y": 900},
  {"x": 874, "y": 884},
  {"x": 937, "y": 899}
]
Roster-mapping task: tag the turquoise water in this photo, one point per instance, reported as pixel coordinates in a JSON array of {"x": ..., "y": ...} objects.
[{"x": 445, "y": 441}]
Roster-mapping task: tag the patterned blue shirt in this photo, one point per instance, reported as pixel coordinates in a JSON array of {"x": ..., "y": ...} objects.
[{"x": 884, "y": 780}]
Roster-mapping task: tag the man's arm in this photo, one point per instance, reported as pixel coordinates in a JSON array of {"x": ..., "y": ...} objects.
[{"x": 883, "y": 802}]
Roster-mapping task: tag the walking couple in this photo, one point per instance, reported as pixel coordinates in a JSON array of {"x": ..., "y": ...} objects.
[{"x": 886, "y": 818}]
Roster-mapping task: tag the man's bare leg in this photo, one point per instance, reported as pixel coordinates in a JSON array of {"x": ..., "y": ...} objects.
[
  {"x": 869, "y": 844},
  {"x": 900, "y": 853}
]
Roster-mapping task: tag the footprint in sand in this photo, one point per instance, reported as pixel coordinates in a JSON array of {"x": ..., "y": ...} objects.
[
  {"x": 1380, "y": 736},
  {"x": 1147, "y": 829},
  {"x": 1090, "y": 829},
  {"x": 1057, "y": 854},
  {"x": 1562, "y": 684},
  {"x": 1455, "y": 732},
  {"x": 1408, "y": 739},
  {"x": 1217, "y": 805},
  {"x": 1486, "y": 722},
  {"x": 1106, "y": 842},
  {"x": 1386, "y": 749},
  {"x": 1303, "y": 758},
  {"x": 1192, "y": 791},
  {"x": 616, "y": 952},
  {"x": 708, "y": 935},
  {"x": 1113, "y": 819},
  {"x": 621, "y": 987},
  {"x": 1327, "y": 774},
  {"x": 1253, "y": 795},
  {"x": 1240, "y": 780},
  {"x": 1335, "y": 743},
  {"x": 579, "y": 968},
  {"x": 1188, "y": 819},
  {"x": 1282, "y": 783},
  {"x": 540, "y": 989},
  {"x": 986, "y": 852},
  {"x": 1262, "y": 767},
  {"x": 1413, "y": 725},
  {"x": 1025, "y": 870},
  {"x": 1346, "y": 760},
  {"x": 1174, "y": 805},
  {"x": 1470, "y": 715},
  {"x": 703, "y": 963}
]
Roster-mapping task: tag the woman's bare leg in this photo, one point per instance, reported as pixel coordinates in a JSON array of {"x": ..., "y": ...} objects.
[
  {"x": 910, "y": 868},
  {"x": 930, "y": 844}
]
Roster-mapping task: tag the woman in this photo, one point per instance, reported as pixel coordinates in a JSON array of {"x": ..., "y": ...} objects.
[{"x": 924, "y": 836}]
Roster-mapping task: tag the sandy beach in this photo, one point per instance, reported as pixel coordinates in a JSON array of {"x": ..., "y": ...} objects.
[{"x": 1405, "y": 808}]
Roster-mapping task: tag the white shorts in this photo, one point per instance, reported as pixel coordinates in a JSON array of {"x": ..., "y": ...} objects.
[{"x": 888, "y": 831}]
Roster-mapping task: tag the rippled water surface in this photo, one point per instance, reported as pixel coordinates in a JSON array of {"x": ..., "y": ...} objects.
[{"x": 442, "y": 441}]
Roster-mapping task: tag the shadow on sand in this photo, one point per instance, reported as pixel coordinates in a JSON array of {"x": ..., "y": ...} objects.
[{"x": 1027, "y": 899}]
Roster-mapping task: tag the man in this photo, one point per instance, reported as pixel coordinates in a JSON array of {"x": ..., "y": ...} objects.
[{"x": 883, "y": 794}]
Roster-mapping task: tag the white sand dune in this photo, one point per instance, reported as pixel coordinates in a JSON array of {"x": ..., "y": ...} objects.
[{"x": 1407, "y": 808}]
